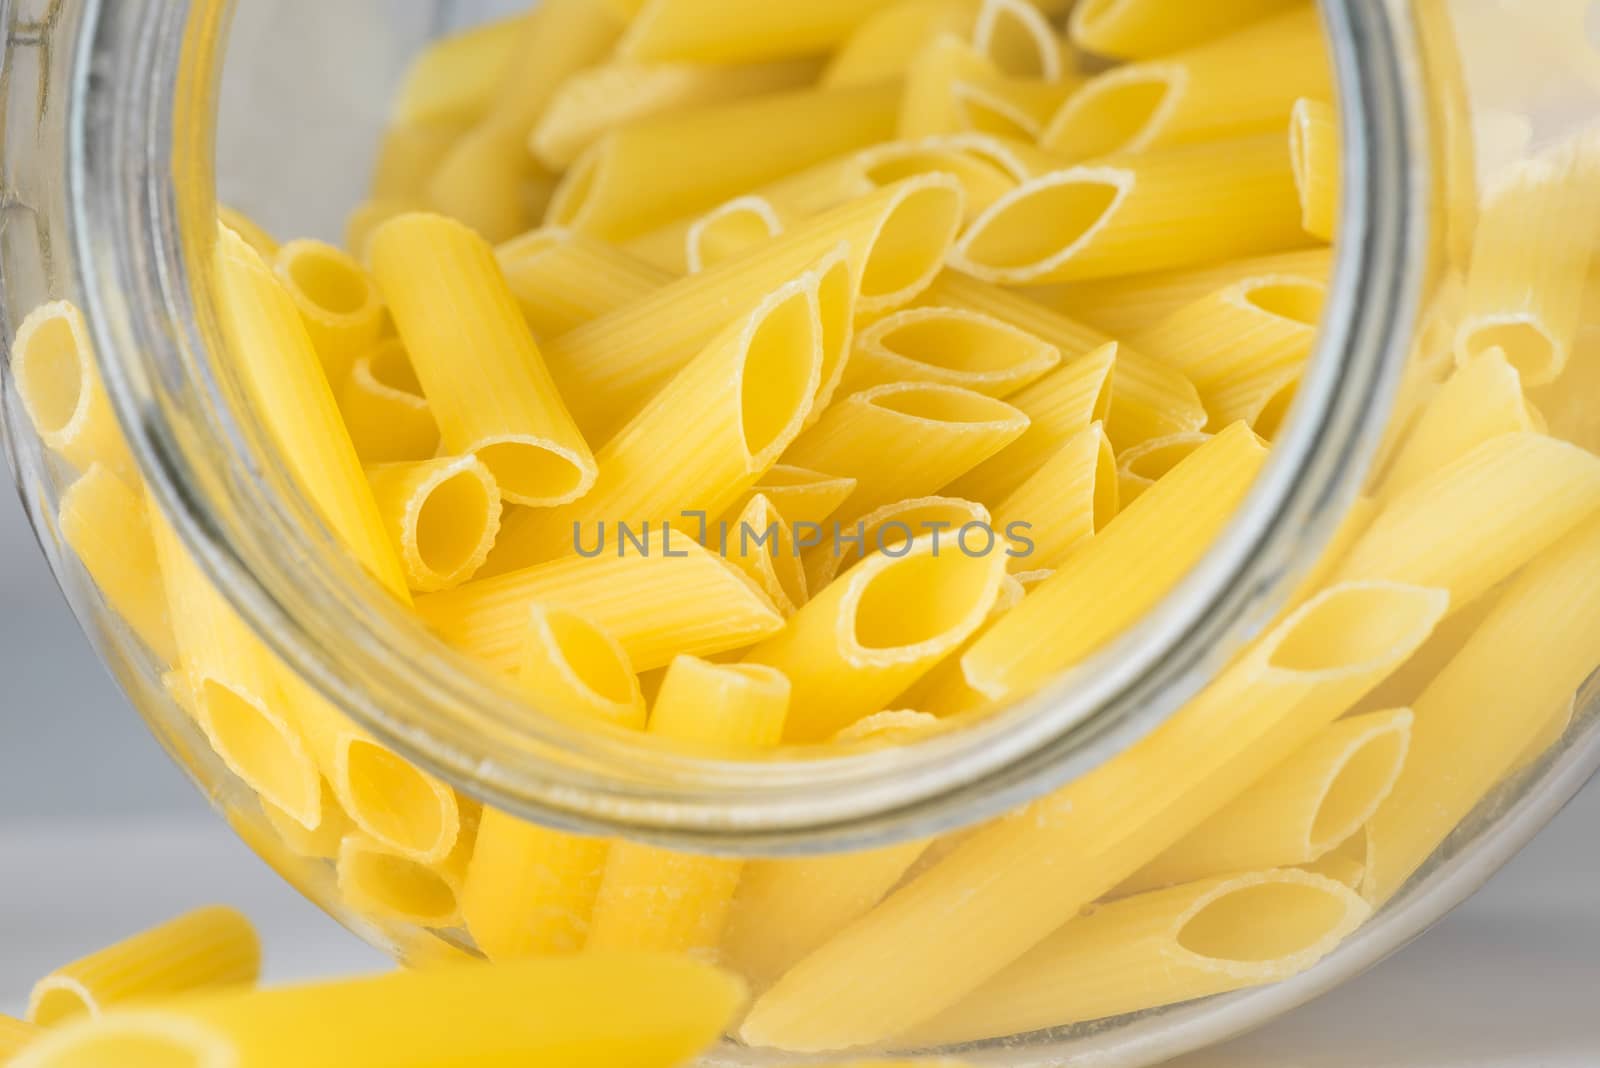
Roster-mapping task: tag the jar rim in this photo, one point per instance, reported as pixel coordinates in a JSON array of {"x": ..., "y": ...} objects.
[{"x": 141, "y": 116}]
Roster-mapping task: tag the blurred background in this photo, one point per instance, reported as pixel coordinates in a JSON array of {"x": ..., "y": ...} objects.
[{"x": 101, "y": 835}]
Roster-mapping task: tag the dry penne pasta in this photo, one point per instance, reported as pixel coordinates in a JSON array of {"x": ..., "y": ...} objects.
[
  {"x": 562, "y": 280},
  {"x": 1063, "y": 504},
  {"x": 337, "y": 301},
  {"x": 320, "y": 842},
  {"x": 255, "y": 235},
  {"x": 830, "y": 553},
  {"x": 205, "y": 949},
  {"x": 1314, "y": 148},
  {"x": 388, "y": 418},
  {"x": 954, "y": 346},
  {"x": 801, "y": 495},
  {"x": 727, "y": 232},
  {"x": 884, "y": 45},
  {"x": 1148, "y": 462},
  {"x": 58, "y": 381},
  {"x": 456, "y": 79},
  {"x": 760, "y": 542},
  {"x": 443, "y": 515},
  {"x": 1014, "y": 108},
  {"x": 386, "y": 885},
  {"x": 928, "y": 105},
  {"x": 1137, "y": 29}
]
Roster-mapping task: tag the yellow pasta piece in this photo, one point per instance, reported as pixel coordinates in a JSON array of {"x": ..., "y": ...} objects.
[
  {"x": 946, "y": 676},
  {"x": 254, "y": 234},
  {"x": 1480, "y": 401},
  {"x": 897, "y": 238},
  {"x": 798, "y": 494},
  {"x": 658, "y": 169},
  {"x": 835, "y": 551},
  {"x": 1136, "y": 29},
  {"x": 1191, "y": 941},
  {"x": 1537, "y": 646},
  {"x": 57, "y": 378},
  {"x": 1305, "y": 808},
  {"x": 729, "y": 231},
  {"x": 731, "y": 31},
  {"x": 1516, "y": 494},
  {"x": 1128, "y": 567},
  {"x": 407, "y": 159},
  {"x": 481, "y": 181},
  {"x": 868, "y": 636},
  {"x": 562, "y": 280},
  {"x": 1168, "y": 208},
  {"x": 954, "y": 346},
  {"x": 530, "y": 890},
  {"x": 905, "y": 439},
  {"x": 1314, "y": 149},
  {"x": 104, "y": 523},
  {"x": 388, "y": 418},
  {"x": 1530, "y": 261},
  {"x": 278, "y": 363},
  {"x": 1013, "y": 108},
  {"x": 443, "y": 515},
  {"x": 654, "y": 898},
  {"x": 598, "y": 1011},
  {"x": 14, "y": 1036},
  {"x": 1243, "y": 83},
  {"x": 1231, "y": 342},
  {"x": 1121, "y": 306},
  {"x": 760, "y": 542},
  {"x": 882, "y": 977},
  {"x": 885, "y": 44},
  {"x": 1147, "y": 399},
  {"x": 750, "y": 391},
  {"x": 320, "y": 842},
  {"x": 337, "y": 301},
  {"x": 1020, "y": 40},
  {"x": 1148, "y": 462},
  {"x": 1061, "y": 505},
  {"x": 786, "y": 908},
  {"x": 378, "y": 882},
  {"x": 201, "y": 950},
  {"x": 697, "y": 604},
  {"x": 477, "y": 361},
  {"x": 1565, "y": 402},
  {"x": 594, "y": 102},
  {"x": 1347, "y": 864},
  {"x": 456, "y": 79},
  {"x": 366, "y": 217},
  {"x": 928, "y": 105}
]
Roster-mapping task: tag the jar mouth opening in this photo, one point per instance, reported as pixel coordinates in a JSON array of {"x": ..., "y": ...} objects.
[{"x": 143, "y": 258}]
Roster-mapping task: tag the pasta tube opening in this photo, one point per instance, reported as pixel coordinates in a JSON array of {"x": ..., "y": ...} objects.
[
  {"x": 888, "y": 528},
  {"x": 1350, "y": 628},
  {"x": 1265, "y": 926},
  {"x": 571, "y": 661},
  {"x": 728, "y": 231},
  {"x": 778, "y": 377},
  {"x": 326, "y": 283},
  {"x": 1144, "y": 464},
  {"x": 1359, "y": 783},
  {"x": 983, "y": 181},
  {"x": 145, "y": 1040},
  {"x": 1044, "y": 224},
  {"x": 954, "y": 346},
  {"x": 1527, "y": 345},
  {"x": 395, "y": 802},
  {"x": 952, "y": 594},
  {"x": 1117, "y": 112},
  {"x": 59, "y": 385},
  {"x": 262, "y": 749},
  {"x": 908, "y": 249},
  {"x": 1297, "y": 300},
  {"x": 1268, "y": 420},
  {"x": 455, "y": 523},
  {"x": 382, "y": 403},
  {"x": 382, "y": 883},
  {"x": 1019, "y": 39}
]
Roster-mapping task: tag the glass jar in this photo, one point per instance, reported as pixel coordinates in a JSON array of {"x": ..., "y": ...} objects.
[{"x": 113, "y": 167}]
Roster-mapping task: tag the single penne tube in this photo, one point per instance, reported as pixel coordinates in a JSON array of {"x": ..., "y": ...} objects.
[
  {"x": 1139, "y": 29},
  {"x": 882, "y": 47},
  {"x": 1018, "y": 36},
  {"x": 455, "y": 79},
  {"x": 729, "y": 231},
  {"x": 407, "y": 157},
  {"x": 1472, "y": 523},
  {"x": 760, "y": 542},
  {"x": 382, "y": 885},
  {"x": 234, "y": 688},
  {"x": 254, "y": 234},
  {"x": 1125, "y": 570},
  {"x": 534, "y": 1014},
  {"x": 1061, "y": 505},
  {"x": 875, "y": 631},
  {"x": 478, "y": 363},
  {"x": 751, "y": 391},
  {"x": 482, "y": 180},
  {"x": 15, "y": 1035},
  {"x": 365, "y": 218},
  {"x": 1305, "y": 808},
  {"x": 563, "y": 279},
  {"x": 274, "y": 356},
  {"x": 321, "y": 842},
  {"x": 57, "y": 379},
  {"x": 831, "y": 552},
  {"x": 1147, "y": 399},
  {"x": 657, "y": 169},
  {"x": 594, "y": 102},
  {"x": 530, "y": 890},
  {"x": 786, "y": 908},
  {"x": 1473, "y": 722},
  {"x": 954, "y": 346},
  {"x": 1530, "y": 261},
  {"x": 1244, "y": 82},
  {"x": 1172, "y": 207},
  {"x": 1148, "y": 462},
  {"x": 387, "y": 416},
  {"x": 1481, "y": 400},
  {"x": 1264, "y": 403},
  {"x": 699, "y": 604},
  {"x": 946, "y": 675},
  {"x": 1085, "y": 839},
  {"x": 1191, "y": 941},
  {"x": 799, "y": 494},
  {"x": 654, "y": 898},
  {"x": 336, "y": 299},
  {"x": 1314, "y": 149},
  {"x": 608, "y": 369},
  {"x": 1121, "y": 306},
  {"x": 443, "y": 515},
  {"x": 905, "y": 439},
  {"x": 730, "y": 31},
  {"x": 201, "y": 950},
  {"x": 928, "y": 102},
  {"x": 1229, "y": 341},
  {"x": 104, "y": 523}
]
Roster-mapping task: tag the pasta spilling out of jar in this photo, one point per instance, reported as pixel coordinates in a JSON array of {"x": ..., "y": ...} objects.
[{"x": 753, "y": 375}]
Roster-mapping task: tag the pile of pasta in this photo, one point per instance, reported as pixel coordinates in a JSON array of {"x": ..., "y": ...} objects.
[{"x": 635, "y": 275}]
